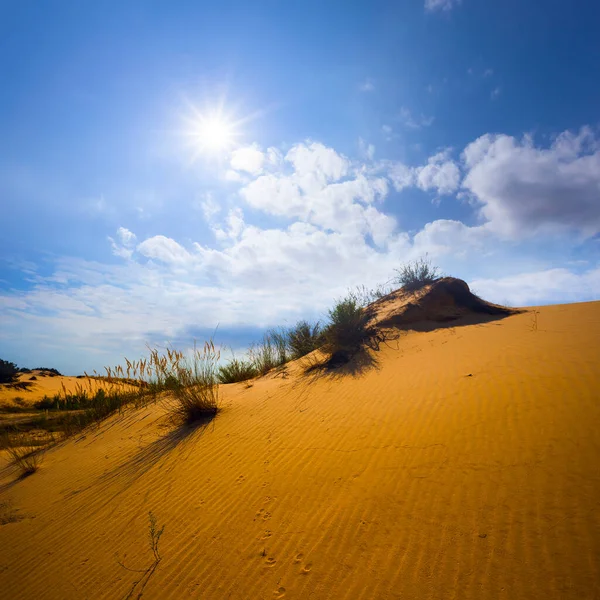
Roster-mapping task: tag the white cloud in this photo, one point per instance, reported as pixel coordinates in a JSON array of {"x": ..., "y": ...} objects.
[
  {"x": 524, "y": 190},
  {"x": 248, "y": 158},
  {"x": 441, "y": 5},
  {"x": 541, "y": 287},
  {"x": 495, "y": 93},
  {"x": 488, "y": 72},
  {"x": 401, "y": 176},
  {"x": 125, "y": 245},
  {"x": 440, "y": 174},
  {"x": 164, "y": 249},
  {"x": 314, "y": 160}
]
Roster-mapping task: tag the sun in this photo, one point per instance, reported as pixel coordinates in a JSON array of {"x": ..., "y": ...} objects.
[{"x": 213, "y": 134}]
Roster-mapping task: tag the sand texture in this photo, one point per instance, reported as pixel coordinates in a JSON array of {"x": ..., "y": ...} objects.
[{"x": 463, "y": 463}]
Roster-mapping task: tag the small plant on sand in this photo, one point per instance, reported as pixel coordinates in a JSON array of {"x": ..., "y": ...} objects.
[
  {"x": 237, "y": 370},
  {"x": 193, "y": 380},
  {"x": 417, "y": 274},
  {"x": 154, "y": 535},
  {"x": 348, "y": 329},
  {"x": 24, "y": 456},
  {"x": 303, "y": 338}
]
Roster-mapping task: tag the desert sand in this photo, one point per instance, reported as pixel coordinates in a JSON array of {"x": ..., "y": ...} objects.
[{"x": 463, "y": 464}]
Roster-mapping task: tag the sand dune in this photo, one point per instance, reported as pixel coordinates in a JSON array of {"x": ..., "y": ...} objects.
[
  {"x": 462, "y": 464},
  {"x": 45, "y": 385}
]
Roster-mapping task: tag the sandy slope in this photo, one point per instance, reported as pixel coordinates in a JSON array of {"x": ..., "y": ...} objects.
[
  {"x": 465, "y": 465},
  {"x": 45, "y": 385}
]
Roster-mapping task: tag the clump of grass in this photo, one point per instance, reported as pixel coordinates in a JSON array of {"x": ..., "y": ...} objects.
[
  {"x": 271, "y": 352},
  {"x": 193, "y": 380},
  {"x": 348, "y": 329},
  {"x": 237, "y": 370},
  {"x": 303, "y": 338},
  {"x": 417, "y": 274},
  {"x": 23, "y": 455}
]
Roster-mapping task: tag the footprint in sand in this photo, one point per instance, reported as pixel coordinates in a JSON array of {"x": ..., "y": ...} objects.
[
  {"x": 279, "y": 593},
  {"x": 263, "y": 514},
  {"x": 299, "y": 557},
  {"x": 270, "y": 561},
  {"x": 306, "y": 569},
  {"x": 267, "y": 534},
  {"x": 240, "y": 479}
]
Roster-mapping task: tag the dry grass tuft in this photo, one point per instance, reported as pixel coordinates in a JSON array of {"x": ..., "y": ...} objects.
[
  {"x": 193, "y": 380},
  {"x": 24, "y": 456}
]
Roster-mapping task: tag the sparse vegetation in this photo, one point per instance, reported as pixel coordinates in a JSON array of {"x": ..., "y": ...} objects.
[
  {"x": 193, "y": 380},
  {"x": 26, "y": 457},
  {"x": 154, "y": 535},
  {"x": 237, "y": 370},
  {"x": 271, "y": 352},
  {"x": 8, "y": 371},
  {"x": 303, "y": 338},
  {"x": 348, "y": 328},
  {"x": 417, "y": 274},
  {"x": 366, "y": 296}
]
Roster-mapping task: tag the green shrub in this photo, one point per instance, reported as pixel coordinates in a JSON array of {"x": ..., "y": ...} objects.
[
  {"x": 237, "y": 370},
  {"x": 417, "y": 274},
  {"x": 303, "y": 338},
  {"x": 348, "y": 328}
]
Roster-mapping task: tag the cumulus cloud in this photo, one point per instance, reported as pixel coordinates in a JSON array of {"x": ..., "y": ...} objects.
[
  {"x": 441, "y": 174},
  {"x": 163, "y": 249},
  {"x": 323, "y": 188},
  {"x": 249, "y": 159},
  {"x": 441, "y": 5},
  {"x": 124, "y": 245},
  {"x": 524, "y": 189}
]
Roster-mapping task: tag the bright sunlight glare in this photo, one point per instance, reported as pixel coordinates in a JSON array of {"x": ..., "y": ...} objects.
[{"x": 214, "y": 134}]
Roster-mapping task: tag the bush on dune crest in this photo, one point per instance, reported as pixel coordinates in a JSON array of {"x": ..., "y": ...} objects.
[{"x": 417, "y": 274}]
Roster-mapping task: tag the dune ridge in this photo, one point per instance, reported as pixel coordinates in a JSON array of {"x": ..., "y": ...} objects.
[{"x": 461, "y": 464}]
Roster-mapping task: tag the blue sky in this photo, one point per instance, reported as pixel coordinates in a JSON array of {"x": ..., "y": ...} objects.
[{"x": 349, "y": 138}]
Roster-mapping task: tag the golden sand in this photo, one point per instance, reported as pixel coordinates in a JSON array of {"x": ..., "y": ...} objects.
[{"x": 464, "y": 464}]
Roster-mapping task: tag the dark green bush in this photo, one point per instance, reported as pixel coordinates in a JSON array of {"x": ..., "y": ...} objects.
[
  {"x": 348, "y": 328},
  {"x": 8, "y": 371}
]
